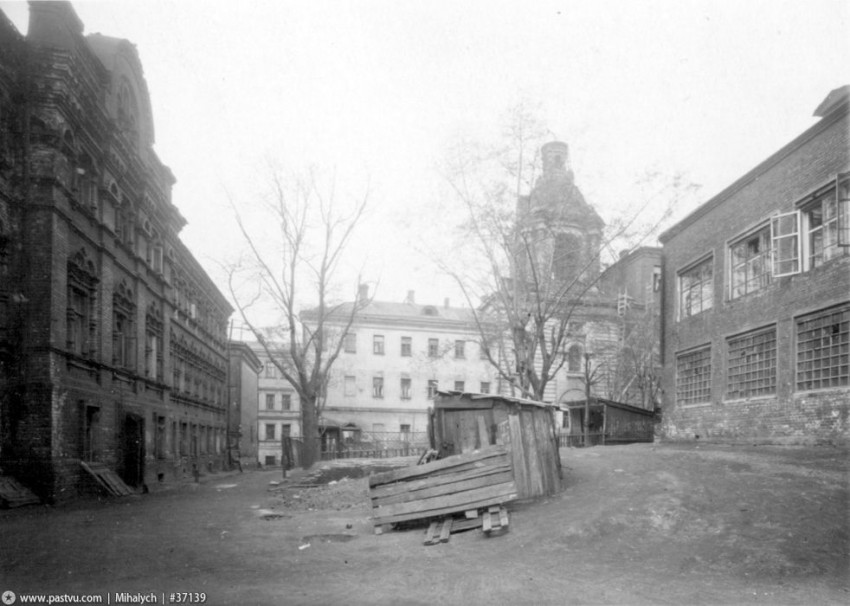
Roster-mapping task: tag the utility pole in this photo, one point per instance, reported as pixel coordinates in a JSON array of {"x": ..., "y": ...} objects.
[{"x": 587, "y": 385}]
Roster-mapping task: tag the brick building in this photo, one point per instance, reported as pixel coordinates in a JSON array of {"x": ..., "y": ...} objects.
[
  {"x": 756, "y": 336},
  {"x": 112, "y": 336}
]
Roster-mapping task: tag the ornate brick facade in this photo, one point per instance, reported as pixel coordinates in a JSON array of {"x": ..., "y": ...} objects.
[{"x": 112, "y": 336}]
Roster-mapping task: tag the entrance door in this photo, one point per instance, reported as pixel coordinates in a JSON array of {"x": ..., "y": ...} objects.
[{"x": 134, "y": 450}]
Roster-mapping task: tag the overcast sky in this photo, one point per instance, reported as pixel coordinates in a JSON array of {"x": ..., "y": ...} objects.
[{"x": 377, "y": 88}]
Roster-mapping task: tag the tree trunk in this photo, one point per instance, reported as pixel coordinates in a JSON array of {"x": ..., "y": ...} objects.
[{"x": 310, "y": 431}]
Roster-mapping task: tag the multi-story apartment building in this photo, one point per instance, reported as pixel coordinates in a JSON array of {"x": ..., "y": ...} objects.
[
  {"x": 757, "y": 298},
  {"x": 111, "y": 334},
  {"x": 394, "y": 359},
  {"x": 278, "y": 411}
]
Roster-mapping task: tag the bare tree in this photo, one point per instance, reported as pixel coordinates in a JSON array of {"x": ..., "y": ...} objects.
[
  {"x": 292, "y": 261},
  {"x": 527, "y": 283}
]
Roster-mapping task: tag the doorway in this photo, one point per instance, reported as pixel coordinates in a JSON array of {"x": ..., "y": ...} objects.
[{"x": 134, "y": 450}]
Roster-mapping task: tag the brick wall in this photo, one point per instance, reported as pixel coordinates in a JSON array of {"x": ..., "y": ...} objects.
[{"x": 788, "y": 415}]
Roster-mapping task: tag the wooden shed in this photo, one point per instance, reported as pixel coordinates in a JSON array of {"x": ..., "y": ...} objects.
[
  {"x": 463, "y": 422},
  {"x": 610, "y": 423}
]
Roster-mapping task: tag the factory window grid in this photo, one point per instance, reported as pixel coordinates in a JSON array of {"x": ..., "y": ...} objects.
[
  {"x": 751, "y": 364},
  {"x": 823, "y": 349},
  {"x": 693, "y": 376}
]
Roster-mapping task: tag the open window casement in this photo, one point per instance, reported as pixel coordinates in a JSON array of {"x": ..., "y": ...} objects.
[
  {"x": 842, "y": 187},
  {"x": 786, "y": 244}
]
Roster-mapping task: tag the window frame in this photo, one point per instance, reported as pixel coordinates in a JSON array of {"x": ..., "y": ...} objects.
[
  {"x": 433, "y": 348},
  {"x": 406, "y": 388},
  {"x": 378, "y": 345},
  {"x": 836, "y": 349},
  {"x": 697, "y": 399},
  {"x": 706, "y": 260},
  {"x": 752, "y": 283},
  {"x": 349, "y": 344},
  {"x": 406, "y": 347},
  {"x": 378, "y": 387},
  {"x": 744, "y": 381},
  {"x": 460, "y": 349}
]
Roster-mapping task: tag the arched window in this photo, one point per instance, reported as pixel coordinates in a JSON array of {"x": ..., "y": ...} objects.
[
  {"x": 80, "y": 317},
  {"x": 128, "y": 109},
  {"x": 574, "y": 355}
]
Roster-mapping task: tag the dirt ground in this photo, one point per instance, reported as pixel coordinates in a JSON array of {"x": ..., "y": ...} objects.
[{"x": 638, "y": 524}]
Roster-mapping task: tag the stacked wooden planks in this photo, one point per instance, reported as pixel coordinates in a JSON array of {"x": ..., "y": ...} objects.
[
  {"x": 459, "y": 483},
  {"x": 107, "y": 479},
  {"x": 15, "y": 494},
  {"x": 491, "y": 519}
]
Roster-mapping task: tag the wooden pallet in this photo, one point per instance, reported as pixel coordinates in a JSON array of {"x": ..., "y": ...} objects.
[
  {"x": 456, "y": 484},
  {"x": 15, "y": 494},
  {"x": 107, "y": 479}
]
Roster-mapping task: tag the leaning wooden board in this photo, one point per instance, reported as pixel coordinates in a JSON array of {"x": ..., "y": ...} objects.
[{"x": 474, "y": 480}]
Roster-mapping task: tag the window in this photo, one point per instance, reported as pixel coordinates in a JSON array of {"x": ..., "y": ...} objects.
[
  {"x": 378, "y": 345},
  {"x": 350, "y": 343},
  {"x": 485, "y": 387},
  {"x": 377, "y": 387},
  {"x": 693, "y": 376},
  {"x": 696, "y": 289},
  {"x": 818, "y": 232},
  {"x": 785, "y": 242},
  {"x": 286, "y": 401},
  {"x": 750, "y": 263},
  {"x": 433, "y": 348},
  {"x": 350, "y": 388},
  {"x": 270, "y": 434},
  {"x": 822, "y": 228},
  {"x": 751, "y": 364},
  {"x": 405, "y": 389},
  {"x": 270, "y": 460},
  {"x": 459, "y": 386},
  {"x": 271, "y": 370},
  {"x": 459, "y": 347},
  {"x": 406, "y": 347},
  {"x": 483, "y": 351},
  {"x": 286, "y": 430},
  {"x": 159, "y": 437},
  {"x": 80, "y": 319},
  {"x": 123, "y": 328},
  {"x": 844, "y": 210},
  {"x": 153, "y": 343},
  {"x": 432, "y": 388},
  {"x": 823, "y": 349},
  {"x": 269, "y": 401},
  {"x": 574, "y": 358}
]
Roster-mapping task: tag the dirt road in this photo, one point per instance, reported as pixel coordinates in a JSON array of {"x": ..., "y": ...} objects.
[{"x": 637, "y": 524}]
